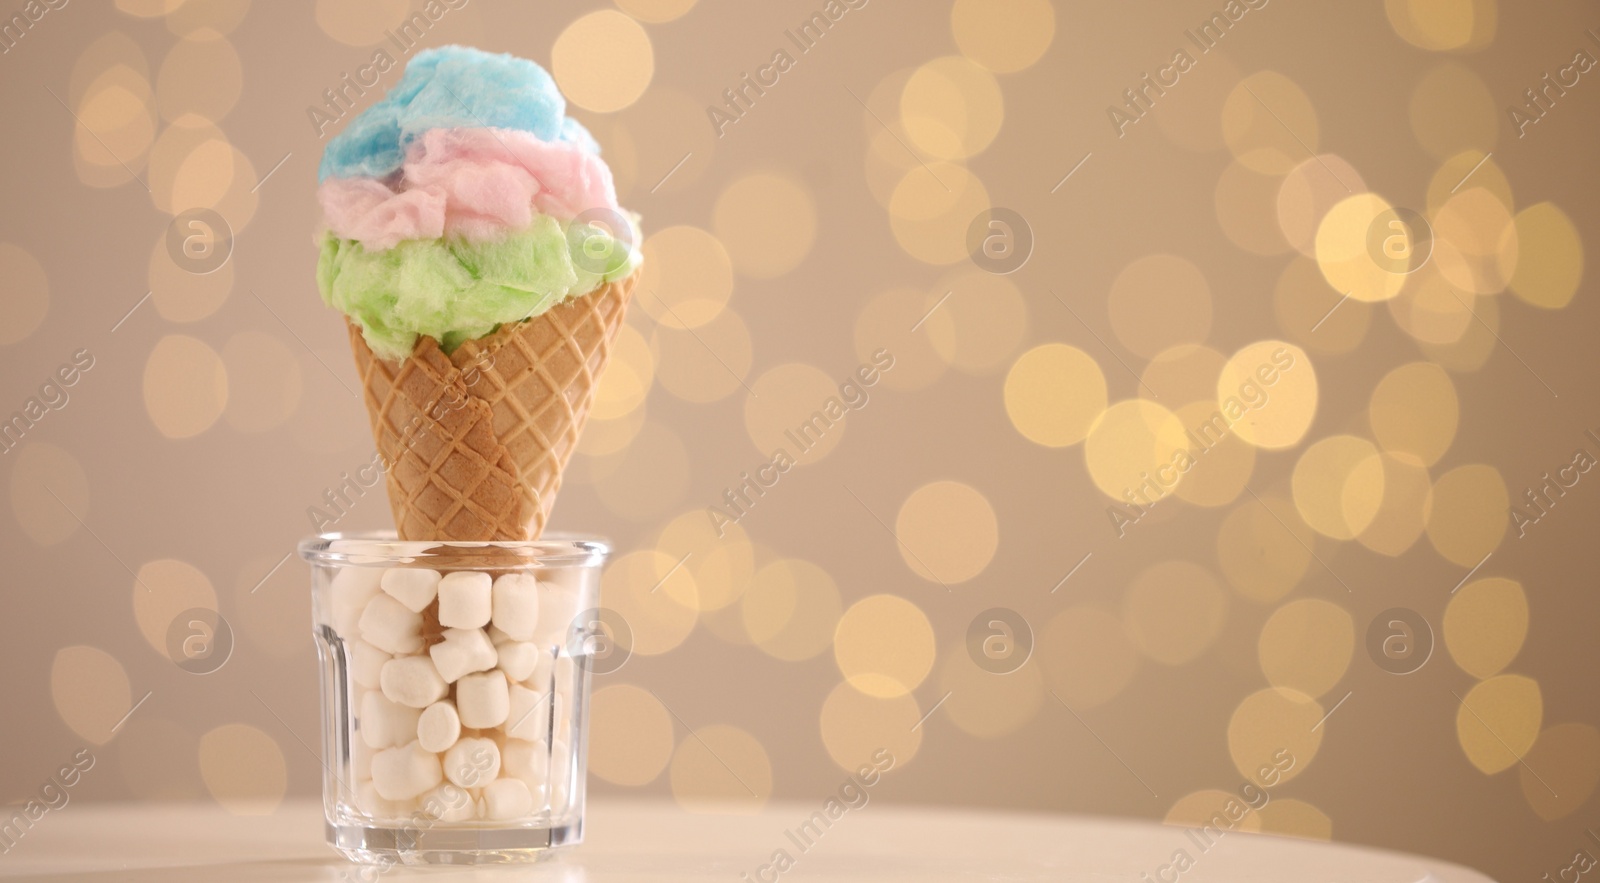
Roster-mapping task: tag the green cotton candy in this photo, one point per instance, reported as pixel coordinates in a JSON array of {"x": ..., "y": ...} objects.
[{"x": 455, "y": 290}]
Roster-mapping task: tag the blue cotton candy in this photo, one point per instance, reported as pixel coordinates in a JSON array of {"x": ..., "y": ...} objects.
[{"x": 447, "y": 88}]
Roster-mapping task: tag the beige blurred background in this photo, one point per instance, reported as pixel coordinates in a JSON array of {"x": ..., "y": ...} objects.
[{"x": 1245, "y": 615}]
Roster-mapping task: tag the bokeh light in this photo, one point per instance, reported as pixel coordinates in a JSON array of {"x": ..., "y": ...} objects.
[
  {"x": 1004, "y": 37},
  {"x": 951, "y": 107},
  {"x": 721, "y": 768},
  {"x": 1452, "y": 110},
  {"x": 884, "y": 646},
  {"x": 1550, "y": 257},
  {"x": 603, "y": 61},
  {"x": 931, "y": 210},
  {"x": 1414, "y": 411},
  {"x": 27, "y": 297},
  {"x": 1275, "y": 730},
  {"x": 1308, "y": 191},
  {"x": 796, "y": 409},
  {"x": 686, "y": 279},
  {"x": 1173, "y": 611},
  {"x": 1158, "y": 302},
  {"x": 185, "y": 386},
  {"x": 1315, "y": 316},
  {"x": 630, "y": 735},
  {"x": 1269, "y": 123},
  {"x": 1264, "y": 548},
  {"x": 162, "y": 590},
  {"x": 984, "y": 704},
  {"x": 244, "y": 769},
  {"x": 1338, "y": 486},
  {"x": 980, "y": 326},
  {"x": 1467, "y": 513},
  {"x": 1345, "y": 250},
  {"x": 1499, "y": 720},
  {"x": 768, "y": 223},
  {"x": 1246, "y": 203},
  {"x": 1561, "y": 770},
  {"x": 1053, "y": 393},
  {"x": 855, "y": 727},
  {"x": 1136, "y": 448},
  {"x": 1086, "y": 656},
  {"x": 1268, "y": 393},
  {"x": 947, "y": 532},
  {"x": 656, "y": 597},
  {"x": 89, "y": 688},
  {"x": 1485, "y": 624},
  {"x": 1306, "y": 646},
  {"x": 791, "y": 609},
  {"x": 49, "y": 492}
]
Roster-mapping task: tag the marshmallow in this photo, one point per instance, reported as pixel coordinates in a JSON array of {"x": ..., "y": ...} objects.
[
  {"x": 411, "y": 586},
  {"x": 366, "y": 661},
  {"x": 566, "y": 679},
  {"x": 351, "y": 589},
  {"x": 483, "y": 700},
  {"x": 472, "y": 762},
  {"x": 384, "y": 724},
  {"x": 439, "y": 726},
  {"x": 543, "y": 675},
  {"x": 505, "y": 799},
  {"x": 405, "y": 772},
  {"x": 448, "y": 803},
  {"x": 360, "y": 760},
  {"x": 413, "y": 681},
  {"x": 498, "y": 636},
  {"x": 558, "y": 607},
  {"x": 529, "y": 715},
  {"x": 464, "y": 600},
  {"x": 391, "y": 626},
  {"x": 560, "y": 775},
  {"x": 463, "y": 651},
  {"x": 528, "y": 761},
  {"x": 518, "y": 659},
  {"x": 516, "y": 605},
  {"x": 371, "y": 803}
]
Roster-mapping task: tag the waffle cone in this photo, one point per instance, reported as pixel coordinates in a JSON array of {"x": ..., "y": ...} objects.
[{"x": 475, "y": 442}]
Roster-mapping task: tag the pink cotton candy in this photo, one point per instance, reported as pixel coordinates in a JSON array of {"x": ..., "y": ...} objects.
[{"x": 478, "y": 184}]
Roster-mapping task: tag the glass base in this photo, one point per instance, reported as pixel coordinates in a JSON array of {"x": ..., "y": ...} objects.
[{"x": 382, "y": 845}]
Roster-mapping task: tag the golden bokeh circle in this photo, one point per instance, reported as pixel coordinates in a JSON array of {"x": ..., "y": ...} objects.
[
  {"x": 884, "y": 646},
  {"x": 116, "y": 119},
  {"x": 931, "y": 210},
  {"x": 1268, "y": 393},
  {"x": 630, "y": 735},
  {"x": 951, "y": 107},
  {"x": 791, "y": 609},
  {"x": 686, "y": 279},
  {"x": 1471, "y": 169},
  {"x": 947, "y": 532},
  {"x": 1004, "y": 37},
  {"x": 1431, "y": 311},
  {"x": 1414, "y": 411},
  {"x": 1561, "y": 770},
  {"x": 1308, "y": 192},
  {"x": 1338, "y": 486},
  {"x": 185, "y": 386},
  {"x": 1289, "y": 817},
  {"x": 1086, "y": 656},
  {"x": 856, "y": 727},
  {"x": 244, "y": 769},
  {"x": 207, "y": 19},
  {"x": 181, "y": 296},
  {"x": 603, "y": 61},
  {"x": 1498, "y": 721},
  {"x": 980, "y": 325},
  {"x": 148, "y": 8},
  {"x": 1138, "y": 448},
  {"x": 1159, "y": 301},
  {"x": 1471, "y": 350},
  {"x": 360, "y": 22},
  {"x": 163, "y": 589},
  {"x": 1053, "y": 393},
  {"x": 1272, "y": 729},
  {"x": 767, "y": 221},
  {"x": 656, "y": 11},
  {"x": 90, "y": 691},
  {"x": 1468, "y": 512},
  {"x": 201, "y": 74},
  {"x": 49, "y": 492},
  {"x": 1485, "y": 625},
  {"x": 1269, "y": 123},
  {"x": 706, "y": 364},
  {"x": 1344, "y": 249},
  {"x": 1476, "y": 246},
  {"x": 1443, "y": 25},
  {"x": 798, "y": 410},
  {"x": 1185, "y": 373},
  {"x": 658, "y": 599},
  {"x": 721, "y": 768},
  {"x": 27, "y": 299},
  {"x": 1199, "y": 809},
  {"x": 626, "y": 381},
  {"x": 1550, "y": 257},
  {"x": 719, "y": 555},
  {"x": 1400, "y": 520},
  {"x": 1306, "y": 646},
  {"x": 264, "y": 381},
  {"x": 984, "y": 704},
  {"x": 1264, "y": 548},
  {"x": 1173, "y": 611},
  {"x": 888, "y": 322}
]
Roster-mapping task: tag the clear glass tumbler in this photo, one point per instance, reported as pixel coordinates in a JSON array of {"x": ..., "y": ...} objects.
[{"x": 455, "y": 686}]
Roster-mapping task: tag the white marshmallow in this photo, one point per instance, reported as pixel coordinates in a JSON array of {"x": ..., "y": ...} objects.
[
  {"x": 414, "y": 587},
  {"x": 391, "y": 626},
  {"x": 351, "y": 589},
  {"x": 505, "y": 799},
  {"x": 558, "y": 607},
  {"x": 498, "y": 636},
  {"x": 472, "y": 762},
  {"x": 518, "y": 659},
  {"x": 528, "y": 761},
  {"x": 560, "y": 775},
  {"x": 462, "y": 651},
  {"x": 366, "y": 662},
  {"x": 376, "y": 806},
  {"x": 529, "y": 715},
  {"x": 566, "y": 683},
  {"x": 464, "y": 600},
  {"x": 412, "y": 681},
  {"x": 439, "y": 727},
  {"x": 543, "y": 675},
  {"x": 405, "y": 772},
  {"x": 516, "y": 605},
  {"x": 448, "y": 803},
  {"x": 385, "y": 724},
  {"x": 483, "y": 700}
]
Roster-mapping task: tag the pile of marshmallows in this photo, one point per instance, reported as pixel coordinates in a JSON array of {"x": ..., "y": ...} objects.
[{"x": 458, "y": 728}]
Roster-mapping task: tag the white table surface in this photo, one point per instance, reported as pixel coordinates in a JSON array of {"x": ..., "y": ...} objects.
[{"x": 652, "y": 841}]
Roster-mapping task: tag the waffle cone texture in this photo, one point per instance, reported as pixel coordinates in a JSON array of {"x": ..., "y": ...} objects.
[{"x": 474, "y": 442}]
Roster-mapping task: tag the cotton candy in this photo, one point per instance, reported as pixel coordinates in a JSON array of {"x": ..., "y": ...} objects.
[
  {"x": 474, "y": 183},
  {"x": 447, "y": 88},
  {"x": 453, "y": 290}
]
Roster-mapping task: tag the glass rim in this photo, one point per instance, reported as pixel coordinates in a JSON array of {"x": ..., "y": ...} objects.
[{"x": 382, "y": 548}]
